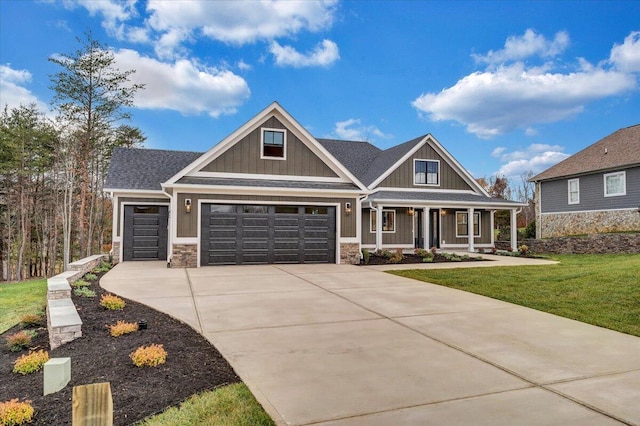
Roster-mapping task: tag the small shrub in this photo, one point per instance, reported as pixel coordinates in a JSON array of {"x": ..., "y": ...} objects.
[
  {"x": 20, "y": 340},
  {"x": 30, "y": 320},
  {"x": 31, "y": 362},
  {"x": 15, "y": 413},
  {"x": 530, "y": 230},
  {"x": 494, "y": 250},
  {"x": 427, "y": 259},
  {"x": 84, "y": 292},
  {"x": 149, "y": 356},
  {"x": 384, "y": 253},
  {"x": 422, "y": 252},
  {"x": 112, "y": 302},
  {"x": 523, "y": 250},
  {"x": 90, "y": 277},
  {"x": 121, "y": 327},
  {"x": 434, "y": 250},
  {"x": 396, "y": 257},
  {"x": 366, "y": 256},
  {"x": 80, "y": 283}
]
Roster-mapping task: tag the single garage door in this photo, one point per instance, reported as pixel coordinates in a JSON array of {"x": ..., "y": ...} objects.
[
  {"x": 258, "y": 234},
  {"x": 145, "y": 233}
]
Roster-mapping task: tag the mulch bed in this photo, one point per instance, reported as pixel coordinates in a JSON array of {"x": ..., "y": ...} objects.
[
  {"x": 193, "y": 365},
  {"x": 412, "y": 258}
]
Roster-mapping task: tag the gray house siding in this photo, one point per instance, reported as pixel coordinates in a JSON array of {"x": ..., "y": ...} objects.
[
  {"x": 402, "y": 177},
  {"x": 404, "y": 228},
  {"x": 244, "y": 157},
  {"x": 555, "y": 197},
  {"x": 448, "y": 228},
  {"x": 188, "y": 223}
]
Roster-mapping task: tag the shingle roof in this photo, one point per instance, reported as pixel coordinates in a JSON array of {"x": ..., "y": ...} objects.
[
  {"x": 619, "y": 149},
  {"x": 364, "y": 160},
  {"x": 455, "y": 197},
  {"x": 138, "y": 168}
]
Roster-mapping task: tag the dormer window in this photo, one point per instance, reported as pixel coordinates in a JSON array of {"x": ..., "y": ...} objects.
[{"x": 274, "y": 143}]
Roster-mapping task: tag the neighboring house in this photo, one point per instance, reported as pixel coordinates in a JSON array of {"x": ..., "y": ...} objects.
[
  {"x": 594, "y": 191},
  {"x": 272, "y": 193}
]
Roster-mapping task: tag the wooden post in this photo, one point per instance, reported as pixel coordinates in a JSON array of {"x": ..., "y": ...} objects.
[{"x": 92, "y": 405}]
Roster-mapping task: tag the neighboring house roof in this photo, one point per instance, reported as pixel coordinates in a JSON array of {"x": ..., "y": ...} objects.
[
  {"x": 193, "y": 180},
  {"x": 619, "y": 149},
  {"x": 439, "y": 196},
  {"x": 145, "y": 169}
]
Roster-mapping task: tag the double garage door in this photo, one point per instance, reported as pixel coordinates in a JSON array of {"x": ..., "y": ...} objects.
[{"x": 255, "y": 234}]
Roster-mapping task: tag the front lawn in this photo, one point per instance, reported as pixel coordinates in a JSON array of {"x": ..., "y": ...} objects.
[
  {"x": 18, "y": 299},
  {"x": 598, "y": 289}
]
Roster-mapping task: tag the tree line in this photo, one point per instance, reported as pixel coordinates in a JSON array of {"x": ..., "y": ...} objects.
[{"x": 53, "y": 167}]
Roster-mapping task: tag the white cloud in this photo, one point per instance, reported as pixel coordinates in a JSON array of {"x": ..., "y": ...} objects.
[
  {"x": 243, "y": 66},
  {"x": 324, "y": 54},
  {"x": 114, "y": 13},
  {"x": 13, "y": 92},
  {"x": 529, "y": 44},
  {"x": 353, "y": 130},
  {"x": 184, "y": 85},
  {"x": 626, "y": 56},
  {"x": 536, "y": 158},
  {"x": 514, "y": 95}
]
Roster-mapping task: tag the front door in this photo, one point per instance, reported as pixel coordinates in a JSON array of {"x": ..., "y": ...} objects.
[
  {"x": 419, "y": 227},
  {"x": 434, "y": 228}
]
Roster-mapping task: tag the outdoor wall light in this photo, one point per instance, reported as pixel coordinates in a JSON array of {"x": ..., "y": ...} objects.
[
  {"x": 410, "y": 211},
  {"x": 187, "y": 205},
  {"x": 347, "y": 208}
]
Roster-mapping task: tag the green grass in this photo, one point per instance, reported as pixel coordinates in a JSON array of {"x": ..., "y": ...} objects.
[
  {"x": 603, "y": 290},
  {"x": 231, "y": 405},
  {"x": 21, "y": 298}
]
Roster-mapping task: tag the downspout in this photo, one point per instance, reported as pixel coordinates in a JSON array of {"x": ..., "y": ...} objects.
[{"x": 170, "y": 230}]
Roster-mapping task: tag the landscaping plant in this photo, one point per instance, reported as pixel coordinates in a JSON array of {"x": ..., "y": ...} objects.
[
  {"x": 30, "y": 320},
  {"x": 149, "y": 356},
  {"x": 15, "y": 413},
  {"x": 90, "y": 277},
  {"x": 112, "y": 302},
  {"x": 20, "y": 340},
  {"x": 80, "y": 283},
  {"x": 84, "y": 292},
  {"x": 122, "y": 327},
  {"x": 31, "y": 362}
]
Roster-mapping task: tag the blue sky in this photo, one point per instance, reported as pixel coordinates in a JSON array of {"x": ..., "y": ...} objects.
[{"x": 505, "y": 86}]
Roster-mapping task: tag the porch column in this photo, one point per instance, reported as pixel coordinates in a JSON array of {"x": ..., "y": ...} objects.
[
  {"x": 493, "y": 227},
  {"x": 379, "y": 228},
  {"x": 425, "y": 228},
  {"x": 470, "y": 230},
  {"x": 514, "y": 231}
]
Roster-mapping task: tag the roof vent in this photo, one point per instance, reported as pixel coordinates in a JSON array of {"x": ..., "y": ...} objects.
[{"x": 606, "y": 151}]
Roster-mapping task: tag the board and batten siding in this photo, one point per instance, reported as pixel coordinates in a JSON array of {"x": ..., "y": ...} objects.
[
  {"x": 404, "y": 228},
  {"x": 448, "y": 228},
  {"x": 555, "y": 193},
  {"x": 402, "y": 177},
  {"x": 188, "y": 222},
  {"x": 131, "y": 200},
  {"x": 244, "y": 157}
]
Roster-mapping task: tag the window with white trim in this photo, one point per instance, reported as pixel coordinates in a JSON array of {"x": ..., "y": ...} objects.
[
  {"x": 426, "y": 172},
  {"x": 273, "y": 144},
  {"x": 462, "y": 224},
  {"x": 574, "y": 191},
  {"x": 388, "y": 220},
  {"x": 615, "y": 184}
]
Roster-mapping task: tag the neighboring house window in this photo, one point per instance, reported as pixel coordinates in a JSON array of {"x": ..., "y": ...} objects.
[
  {"x": 574, "y": 191},
  {"x": 388, "y": 220},
  {"x": 273, "y": 143},
  {"x": 462, "y": 224},
  {"x": 615, "y": 184},
  {"x": 426, "y": 172}
]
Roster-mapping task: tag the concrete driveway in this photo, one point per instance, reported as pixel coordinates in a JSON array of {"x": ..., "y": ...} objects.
[{"x": 348, "y": 345}]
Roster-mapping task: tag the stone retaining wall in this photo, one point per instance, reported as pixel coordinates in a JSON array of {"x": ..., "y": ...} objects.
[
  {"x": 589, "y": 244},
  {"x": 63, "y": 322},
  {"x": 585, "y": 223},
  {"x": 184, "y": 256}
]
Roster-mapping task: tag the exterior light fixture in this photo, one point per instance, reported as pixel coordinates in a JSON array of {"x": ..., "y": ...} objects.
[
  {"x": 410, "y": 211},
  {"x": 187, "y": 205},
  {"x": 347, "y": 208}
]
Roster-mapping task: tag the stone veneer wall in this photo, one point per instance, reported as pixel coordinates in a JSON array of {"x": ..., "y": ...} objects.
[
  {"x": 350, "y": 253},
  {"x": 115, "y": 252},
  {"x": 590, "y": 244},
  {"x": 184, "y": 256},
  {"x": 597, "y": 222}
]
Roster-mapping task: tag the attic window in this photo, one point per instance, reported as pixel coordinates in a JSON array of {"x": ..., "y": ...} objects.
[
  {"x": 273, "y": 144},
  {"x": 426, "y": 172}
]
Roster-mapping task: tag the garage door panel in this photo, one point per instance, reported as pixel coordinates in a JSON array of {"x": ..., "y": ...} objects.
[
  {"x": 267, "y": 234},
  {"x": 145, "y": 232}
]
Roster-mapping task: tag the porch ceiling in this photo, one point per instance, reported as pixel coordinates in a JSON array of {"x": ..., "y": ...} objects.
[{"x": 416, "y": 198}]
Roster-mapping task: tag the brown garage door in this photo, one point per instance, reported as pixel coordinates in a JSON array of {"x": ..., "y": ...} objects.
[{"x": 258, "y": 234}]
